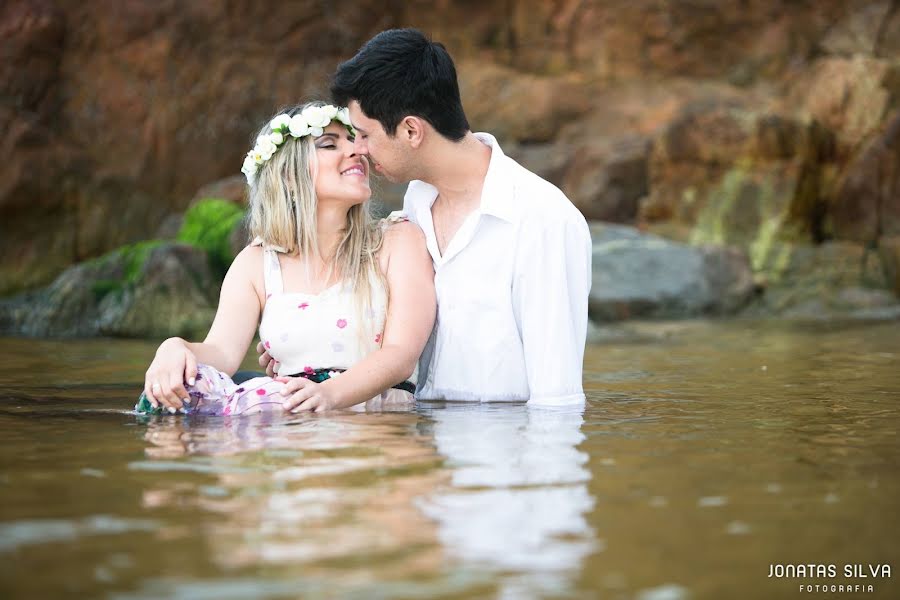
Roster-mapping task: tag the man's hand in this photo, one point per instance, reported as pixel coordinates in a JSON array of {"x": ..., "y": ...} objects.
[
  {"x": 266, "y": 361},
  {"x": 301, "y": 394},
  {"x": 171, "y": 367}
]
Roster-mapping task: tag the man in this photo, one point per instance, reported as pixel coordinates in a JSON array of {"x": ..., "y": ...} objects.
[{"x": 512, "y": 255}]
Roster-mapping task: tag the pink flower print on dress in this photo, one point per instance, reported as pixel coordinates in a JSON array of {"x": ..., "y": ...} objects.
[
  {"x": 341, "y": 323},
  {"x": 378, "y": 338},
  {"x": 308, "y": 370},
  {"x": 303, "y": 306},
  {"x": 261, "y": 392},
  {"x": 268, "y": 344}
]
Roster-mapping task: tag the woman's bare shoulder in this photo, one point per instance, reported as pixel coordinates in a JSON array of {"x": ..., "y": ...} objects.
[{"x": 402, "y": 233}]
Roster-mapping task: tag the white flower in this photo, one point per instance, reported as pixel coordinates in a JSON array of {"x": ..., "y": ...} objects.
[
  {"x": 316, "y": 116},
  {"x": 257, "y": 156},
  {"x": 249, "y": 165},
  {"x": 316, "y": 131},
  {"x": 266, "y": 147},
  {"x": 280, "y": 121},
  {"x": 298, "y": 126},
  {"x": 343, "y": 115},
  {"x": 330, "y": 111},
  {"x": 276, "y": 138},
  {"x": 249, "y": 169}
]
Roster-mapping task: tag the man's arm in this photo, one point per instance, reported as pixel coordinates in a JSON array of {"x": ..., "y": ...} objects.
[{"x": 550, "y": 299}]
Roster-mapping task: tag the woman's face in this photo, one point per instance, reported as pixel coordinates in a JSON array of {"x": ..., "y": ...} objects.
[{"x": 343, "y": 175}]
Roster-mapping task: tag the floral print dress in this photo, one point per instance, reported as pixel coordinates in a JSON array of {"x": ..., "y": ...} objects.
[{"x": 311, "y": 335}]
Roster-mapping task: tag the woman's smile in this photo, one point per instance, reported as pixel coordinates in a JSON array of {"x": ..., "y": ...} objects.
[{"x": 357, "y": 170}]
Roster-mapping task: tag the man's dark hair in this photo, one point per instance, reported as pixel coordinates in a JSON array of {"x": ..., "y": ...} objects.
[{"x": 401, "y": 72}]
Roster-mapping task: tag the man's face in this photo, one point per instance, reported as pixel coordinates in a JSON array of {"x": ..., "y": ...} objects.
[{"x": 387, "y": 155}]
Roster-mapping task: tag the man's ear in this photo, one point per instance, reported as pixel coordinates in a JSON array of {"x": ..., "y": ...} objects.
[{"x": 413, "y": 130}]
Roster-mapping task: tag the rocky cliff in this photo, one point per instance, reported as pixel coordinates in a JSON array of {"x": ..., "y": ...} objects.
[{"x": 771, "y": 125}]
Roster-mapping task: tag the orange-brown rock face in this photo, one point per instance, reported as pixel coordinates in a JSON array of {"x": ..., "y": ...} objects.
[{"x": 116, "y": 112}]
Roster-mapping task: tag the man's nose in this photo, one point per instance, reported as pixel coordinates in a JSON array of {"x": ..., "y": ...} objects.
[{"x": 359, "y": 146}]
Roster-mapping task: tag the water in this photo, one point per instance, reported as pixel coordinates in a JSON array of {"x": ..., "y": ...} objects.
[{"x": 706, "y": 452}]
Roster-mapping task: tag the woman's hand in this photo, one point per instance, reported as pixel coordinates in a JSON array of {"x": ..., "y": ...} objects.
[
  {"x": 301, "y": 394},
  {"x": 173, "y": 364},
  {"x": 266, "y": 361}
]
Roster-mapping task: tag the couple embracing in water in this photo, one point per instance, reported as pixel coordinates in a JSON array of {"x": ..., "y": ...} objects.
[{"x": 476, "y": 291}]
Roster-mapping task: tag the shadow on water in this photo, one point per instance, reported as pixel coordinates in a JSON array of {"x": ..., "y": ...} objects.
[{"x": 706, "y": 452}]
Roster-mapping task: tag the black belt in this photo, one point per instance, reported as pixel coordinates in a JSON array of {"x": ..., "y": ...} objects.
[{"x": 320, "y": 375}]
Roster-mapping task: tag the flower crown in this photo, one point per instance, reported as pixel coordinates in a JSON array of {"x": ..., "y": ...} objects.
[{"x": 312, "y": 120}]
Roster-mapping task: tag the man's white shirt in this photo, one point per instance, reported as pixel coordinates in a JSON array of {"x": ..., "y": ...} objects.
[{"x": 512, "y": 291}]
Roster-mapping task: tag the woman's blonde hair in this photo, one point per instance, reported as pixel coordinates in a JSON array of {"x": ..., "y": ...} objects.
[{"x": 282, "y": 213}]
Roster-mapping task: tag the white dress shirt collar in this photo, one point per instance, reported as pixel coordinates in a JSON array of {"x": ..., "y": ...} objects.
[{"x": 497, "y": 197}]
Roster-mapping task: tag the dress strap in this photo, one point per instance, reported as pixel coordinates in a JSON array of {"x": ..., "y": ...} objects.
[
  {"x": 271, "y": 267},
  {"x": 397, "y": 216}
]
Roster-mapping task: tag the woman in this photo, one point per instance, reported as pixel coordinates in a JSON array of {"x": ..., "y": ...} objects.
[{"x": 316, "y": 279}]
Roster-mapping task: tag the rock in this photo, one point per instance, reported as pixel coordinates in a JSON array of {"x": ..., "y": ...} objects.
[
  {"x": 170, "y": 226},
  {"x": 638, "y": 275},
  {"x": 547, "y": 160},
  {"x": 104, "y": 131},
  {"x": 110, "y": 136},
  {"x": 32, "y": 42},
  {"x": 210, "y": 224},
  {"x": 518, "y": 106},
  {"x": 150, "y": 290},
  {"x": 175, "y": 293},
  {"x": 233, "y": 189},
  {"x": 737, "y": 176},
  {"x": 34, "y": 249},
  {"x": 888, "y": 45},
  {"x": 386, "y": 196},
  {"x": 858, "y": 32},
  {"x": 868, "y": 201},
  {"x": 643, "y": 332},
  {"x": 239, "y": 237},
  {"x": 847, "y": 95},
  {"x": 607, "y": 179},
  {"x": 889, "y": 251},
  {"x": 831, "y": 280}
]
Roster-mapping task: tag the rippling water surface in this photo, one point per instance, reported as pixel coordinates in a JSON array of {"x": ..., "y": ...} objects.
[{"x": 706, "y": 452}]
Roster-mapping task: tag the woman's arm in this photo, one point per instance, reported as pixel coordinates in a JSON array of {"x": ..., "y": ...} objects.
[
  {"x": 410, "y": 319},
  {"x": 226, "y": 343}
]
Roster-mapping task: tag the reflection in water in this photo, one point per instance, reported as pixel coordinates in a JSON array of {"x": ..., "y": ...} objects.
[
  {"x": 518, "y": 496},
  {"x": 709, "y": 449},
  {"x": 327, "y": 490},
  {"x": 323, "y": 488}
]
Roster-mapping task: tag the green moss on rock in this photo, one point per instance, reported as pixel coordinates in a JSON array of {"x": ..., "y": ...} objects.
[
  {"x": 131, "y": 259},
  {"x": 208, "y": 225}
]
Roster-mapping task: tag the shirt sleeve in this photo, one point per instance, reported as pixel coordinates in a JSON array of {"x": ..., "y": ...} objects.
[{"x": 550, "y": 299}]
